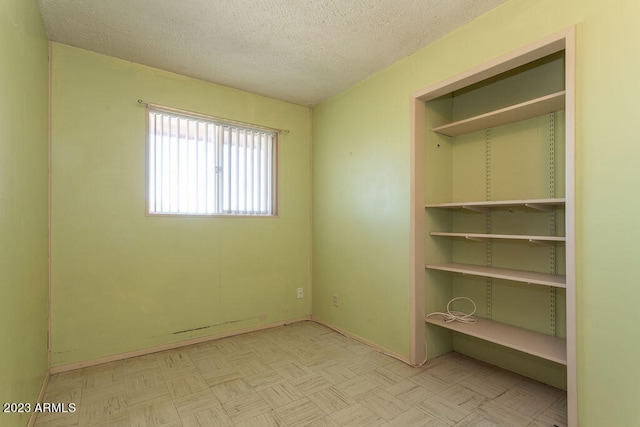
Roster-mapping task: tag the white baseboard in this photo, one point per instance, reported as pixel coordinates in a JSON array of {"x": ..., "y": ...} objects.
[
  {"x": 363, "y": 341},
  {"x": 43, "y": 389},
  {"x": 171, "y": 346}
]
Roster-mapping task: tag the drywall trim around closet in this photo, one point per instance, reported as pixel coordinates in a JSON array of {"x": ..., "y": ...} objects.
[{"x": 564, "y": 40}]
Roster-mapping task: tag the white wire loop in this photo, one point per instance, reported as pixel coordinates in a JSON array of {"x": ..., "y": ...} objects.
[{"x": 456, "y": 316}]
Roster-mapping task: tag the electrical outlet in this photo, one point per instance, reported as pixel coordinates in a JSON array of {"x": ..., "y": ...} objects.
[
  {"x": 335, "y": 301},
  {"x": 300, "y": 293}
]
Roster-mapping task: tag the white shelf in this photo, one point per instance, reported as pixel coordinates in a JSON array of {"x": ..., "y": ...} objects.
[
  {"x": 545, "y": 279},
  {"x": 487, "y": 236},
  {"x": 485, "y": 206},
  {"x": 525, "y": 340},
  {"x": 514, "y": 113},
  {"x": 507, "y": 153}
]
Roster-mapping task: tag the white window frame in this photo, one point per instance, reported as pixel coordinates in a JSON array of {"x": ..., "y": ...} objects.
[{"x": 212, "y": 167}]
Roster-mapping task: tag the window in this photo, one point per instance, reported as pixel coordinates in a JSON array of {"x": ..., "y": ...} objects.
[{"x": 199, "y": 166}]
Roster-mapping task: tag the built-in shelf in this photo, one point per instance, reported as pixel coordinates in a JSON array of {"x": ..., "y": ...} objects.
[
  {"x": 526, "y": 110},
  {"x": 535, "y": 278},
  {"x": 545, "y": 205},
  {"x": 483, "y": 237},
  {"x": 508, "y": 150},
  {"x": 525, "y": 340}
]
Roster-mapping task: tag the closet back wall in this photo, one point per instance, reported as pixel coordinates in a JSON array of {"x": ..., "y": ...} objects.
[{"x": 124, "y": 281}]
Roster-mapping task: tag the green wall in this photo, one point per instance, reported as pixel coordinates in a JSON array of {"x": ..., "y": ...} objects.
[
  {"x": 361, "y": 214},
  {"x": 361, "y": 194},
  {"x": 125, "y": 281},
  {"x": 23, "y": 204}
]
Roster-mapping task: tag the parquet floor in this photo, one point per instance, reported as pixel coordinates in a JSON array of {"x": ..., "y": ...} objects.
[{"x": 303, "y": 374}]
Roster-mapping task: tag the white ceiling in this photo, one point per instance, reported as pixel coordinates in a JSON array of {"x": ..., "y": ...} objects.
[{"x": 301, "y": 51}]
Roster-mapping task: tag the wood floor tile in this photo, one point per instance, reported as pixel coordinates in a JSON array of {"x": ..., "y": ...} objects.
[
  {"x": 409, "y": 392},
  {"x": 175, "y": 363},
  {"x": 338, "y": 374},
  {"x": 220, "y": 376},
  {"x": 67, "y": 380},
  {"x": 451, "y": 371},
  {"x": 196, "y": 402},
  {"x": 494, "y": 414},
  {"x": 360, "y": 350},
  {"x": 121, "y": 421},
  {"x": 202, "y": 350},
  {"x": 147, "y": 396},
  {"x": 186, "y": 385},
  {"x": 280, "y": 395},
  {"x": 384, "y": 377},
  {"x": 103, "y": 392},
  {"x": 305, "y": 353},
  {"x": 529, "y": 398},
  {"x": 430, "y": 383},
  {"x": 414, "y": 417},
  {"x": 231, "y": 390},
  {"x": 322, "y": 361},
  {"x": 556, "y": 414},
  {"x": 102, "y": 410},
  {"x": 140, "y": 363},
  {"x": 310, "y": 384},
  {"x": 246, "y": 407},
  {"x": 547, "y": 420},
  {"x": 65, "y": 395},
  {"x": 264, "y": 380},
  {"x": 241, "y": 356},
  {"x": 103, "y": 375},
  {"x": 231, "y": 346},
  {"x": 358, "y": 388},
  {"x": 268, "y": 419},
  {"x": 340, "y": 340},
  {"x": 57, "y": 419},
  {"x": 357, "y": 415},
  {"x": 362, "y": 366},
  {"x": 331, "y": 400},
  {"x": 160, "y": 413},
  {"x": 402, "y": 369},
  {"x": 214, "y": 415},
  {"x": 477, "y": 419},
  {"x": 385, "y": 405},
  {"x": 250, "y": 367},
  {"x": 292, "y": 370},
  {"x": 301, "y": 412},
  {"x": 326, "y": 421},
  {"x": 297, "y": 375},
  {"x": 463, "y": 397},
  {"x": 210, "y": 362},
  {"x": 492, "y": 383},
  {"x": 142, "y": 380},
  {"x": 273, "y": 354},
  {"x": 444, "y": 409},
  {"x": 102, "y": 382}
]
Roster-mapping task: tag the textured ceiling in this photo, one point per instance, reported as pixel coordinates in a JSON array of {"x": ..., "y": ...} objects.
[{"x": 301, "y": 51}]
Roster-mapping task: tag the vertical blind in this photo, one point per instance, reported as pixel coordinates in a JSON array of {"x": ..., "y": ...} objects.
[{"x": 201, "y": 167}]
